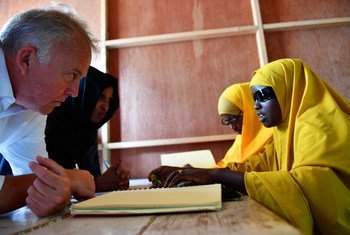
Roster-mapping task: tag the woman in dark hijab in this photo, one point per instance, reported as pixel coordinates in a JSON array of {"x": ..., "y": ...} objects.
[{"x": 71, "y": 129}]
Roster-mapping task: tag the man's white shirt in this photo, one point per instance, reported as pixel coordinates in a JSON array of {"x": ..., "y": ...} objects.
[{"x": 21, "y": 130}]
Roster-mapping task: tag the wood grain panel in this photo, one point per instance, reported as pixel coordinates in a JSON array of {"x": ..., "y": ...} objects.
[
  {"x": 141, "y": 161},
  {"x": 326, "y": 50},
  {"x": 89, "y": 11},
  {"x": 140, "y": 18},
  {"x": 171, "y": 91},
  {"x": 285, "y": 10}
]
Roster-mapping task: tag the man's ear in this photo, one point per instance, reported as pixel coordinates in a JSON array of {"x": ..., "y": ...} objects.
[{"x": 25, "y": 58}]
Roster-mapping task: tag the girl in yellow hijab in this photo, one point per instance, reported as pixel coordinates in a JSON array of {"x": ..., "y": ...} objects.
[
  {"x": 251, "y": 136},
  {"x": 311, "y": 187},
  {"x": 308, "y": 183}
]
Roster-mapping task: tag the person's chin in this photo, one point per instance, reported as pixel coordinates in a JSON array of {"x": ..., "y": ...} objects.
[
  {"x": 267, "y": 124},
  {"x": 46, "y": 109}
]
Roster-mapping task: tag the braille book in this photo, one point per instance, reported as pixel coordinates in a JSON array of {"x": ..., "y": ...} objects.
[{"x": 152, "y": 200}]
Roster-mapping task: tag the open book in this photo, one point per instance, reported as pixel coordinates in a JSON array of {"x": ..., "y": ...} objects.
[{"x": 153, "y": 200}]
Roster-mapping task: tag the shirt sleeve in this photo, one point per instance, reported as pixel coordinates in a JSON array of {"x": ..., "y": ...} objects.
[{"x": 25, "y": 140}]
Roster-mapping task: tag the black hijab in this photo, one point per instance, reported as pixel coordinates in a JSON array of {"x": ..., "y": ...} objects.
[{"x": 71, "y": 138}]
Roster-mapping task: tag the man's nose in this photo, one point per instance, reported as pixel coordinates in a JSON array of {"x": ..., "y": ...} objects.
[{"x": 73, "y": 88}]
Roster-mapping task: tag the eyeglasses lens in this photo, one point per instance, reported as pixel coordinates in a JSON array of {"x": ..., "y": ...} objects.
[
  {"x": 231, "y": 121},
  {"x": 264, "y": 94}
]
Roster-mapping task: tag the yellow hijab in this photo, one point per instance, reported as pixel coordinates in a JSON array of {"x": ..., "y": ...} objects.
[
  {"x": 311, "y": 187},
  {"x": 233, "y": 100}
]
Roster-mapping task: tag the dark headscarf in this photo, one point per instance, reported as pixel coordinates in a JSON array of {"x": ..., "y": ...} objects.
[{"x": 71, "y": 138}]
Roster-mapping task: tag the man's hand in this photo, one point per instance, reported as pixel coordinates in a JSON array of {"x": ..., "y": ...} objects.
[{"x": 51, "y": 190}]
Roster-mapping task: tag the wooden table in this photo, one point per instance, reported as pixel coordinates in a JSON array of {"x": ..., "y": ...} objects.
[{"x": 236, "y": 217}]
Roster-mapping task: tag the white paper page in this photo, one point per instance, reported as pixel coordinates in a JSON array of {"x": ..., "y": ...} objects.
[{"x": 198, "y": 159}]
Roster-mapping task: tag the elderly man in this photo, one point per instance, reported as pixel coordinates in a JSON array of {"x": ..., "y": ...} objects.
[{"x": 43, "y": 55}]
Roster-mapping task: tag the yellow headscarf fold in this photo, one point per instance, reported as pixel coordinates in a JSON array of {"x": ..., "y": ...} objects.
[
  {"x": 233, "y": 100},
  {"x": 312, "y": 151}
]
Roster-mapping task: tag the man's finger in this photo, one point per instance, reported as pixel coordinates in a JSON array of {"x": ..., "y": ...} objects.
[
  {"x": 35, "y": 195},
  {"x": 48, "y": 177},
  {"x": 51, "y": 165}
]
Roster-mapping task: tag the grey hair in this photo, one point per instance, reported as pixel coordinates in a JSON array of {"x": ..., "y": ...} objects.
[{"x": 42, "y": 28}]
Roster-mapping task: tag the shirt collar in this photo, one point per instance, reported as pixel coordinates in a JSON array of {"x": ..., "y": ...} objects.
[
  {"x": 7, "y": 97},
  {"x": 5, "y": 88}
]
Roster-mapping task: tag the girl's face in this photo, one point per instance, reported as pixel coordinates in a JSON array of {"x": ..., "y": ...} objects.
[
  {"x": 235, "y": 121},
  {"x": 102, "y": 105},
  {"x": 266, "y": 106}
]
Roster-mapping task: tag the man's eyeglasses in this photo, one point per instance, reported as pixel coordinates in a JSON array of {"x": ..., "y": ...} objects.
[
  {"x": 231, "y": 121},
  {"x": 264, "y": 94}
]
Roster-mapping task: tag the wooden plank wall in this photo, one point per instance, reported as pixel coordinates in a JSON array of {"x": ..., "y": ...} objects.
[
  {"x": 89, "y": 12},
  {"x": 326, "y": 50},
  {"x": 171, "y": 90}
]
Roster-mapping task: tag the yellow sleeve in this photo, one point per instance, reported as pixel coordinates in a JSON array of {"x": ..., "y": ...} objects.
[
  {"x": 304, "y": 196},
  {"x": 328, "y": 197},
  {"x": 232, "y": 155},
  {"x": 264, "y": 161},
  {"x": 279, "y": 192}
]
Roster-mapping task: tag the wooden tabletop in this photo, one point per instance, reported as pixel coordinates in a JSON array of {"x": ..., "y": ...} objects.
[{"x": 236, "y": 217}]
